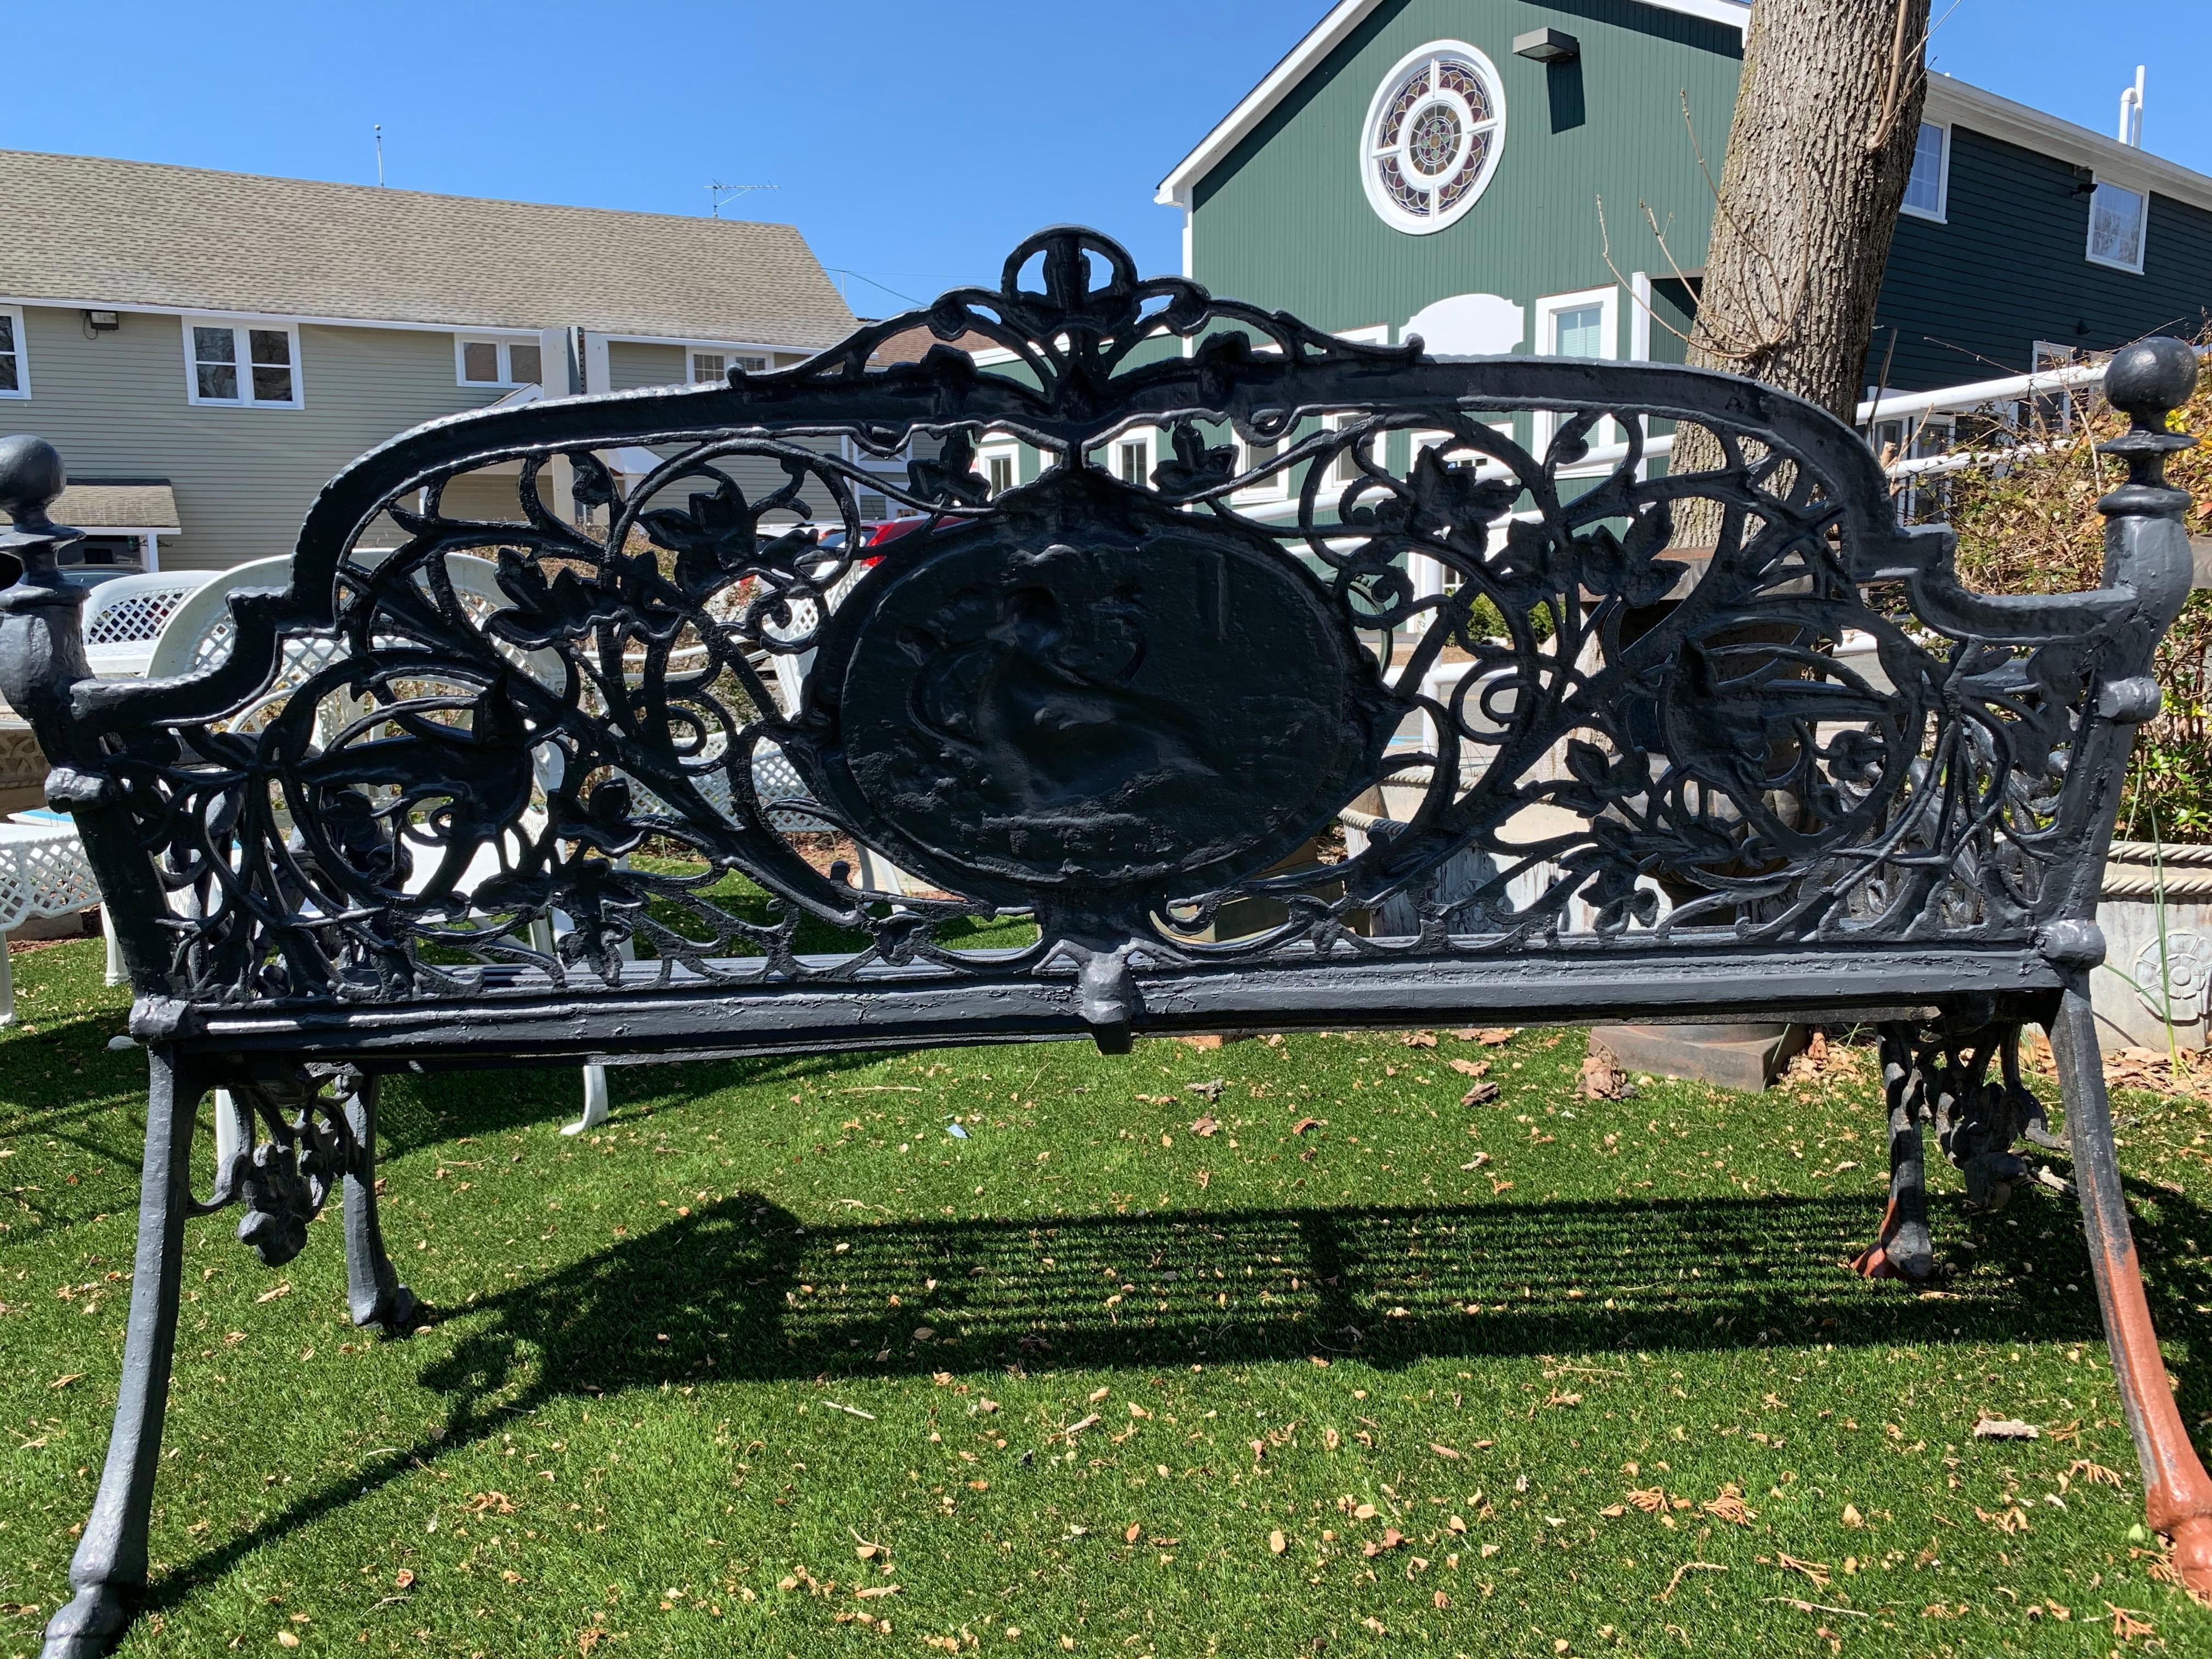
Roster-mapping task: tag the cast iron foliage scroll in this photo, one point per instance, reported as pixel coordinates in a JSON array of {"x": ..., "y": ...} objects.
[{"x": 1112, "y": 706}]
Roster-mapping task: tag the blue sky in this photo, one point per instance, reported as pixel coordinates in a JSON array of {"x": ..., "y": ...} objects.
[{"x": 913, "y": 143}]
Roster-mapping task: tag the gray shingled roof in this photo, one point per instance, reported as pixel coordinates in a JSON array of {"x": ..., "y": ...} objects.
[{"x": 132, "y": 233}]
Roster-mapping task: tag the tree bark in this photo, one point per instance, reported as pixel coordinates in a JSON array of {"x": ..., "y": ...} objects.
[{"x": 1821, "y": 149}]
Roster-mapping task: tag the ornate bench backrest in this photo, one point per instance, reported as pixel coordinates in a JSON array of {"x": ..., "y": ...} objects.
[{"x": 1109, "y": 703}]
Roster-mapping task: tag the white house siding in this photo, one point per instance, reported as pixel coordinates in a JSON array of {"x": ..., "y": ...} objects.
[{"x": 115, "y": 405}]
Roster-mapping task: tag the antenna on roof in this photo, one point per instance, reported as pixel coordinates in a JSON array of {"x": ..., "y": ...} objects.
[
  {"x": 718, "y": 192},
  {"x": 379, "y": 155}
]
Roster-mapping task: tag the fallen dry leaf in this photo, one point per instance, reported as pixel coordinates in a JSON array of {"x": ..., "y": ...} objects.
[
  {"x": 1205, "y": 1127},
  {"x": 1601, "y": 1080},
  {"x": 1133, "y": 1532},
  {"x": 1482, "y": 1095},
  {"x": 2095, "y": 1473},
  {"x": 1277, "y": 1543},
  {"x": 2006, "y": 1428},
  {"x": 1730, "y": 1507},
  {"x": 1442, "y": 1451},
  {"x": 1471, "y": 1067},
  {"x": 2128, "y": 1625},
  {"x": 1304, "y": 1124},
  {"x": 1419, "y": 1039},
  {"x": 1815, "y": 1571},
  {"x": 1851, "y": 1515},
  {"x": 1495, "y": 1036},
  {"x": 1210, "y": 1090},
  {"x": 1649, "y": 1499}
]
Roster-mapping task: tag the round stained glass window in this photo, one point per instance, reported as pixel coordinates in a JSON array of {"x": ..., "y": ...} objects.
[{"x": 1433, "y": 136}]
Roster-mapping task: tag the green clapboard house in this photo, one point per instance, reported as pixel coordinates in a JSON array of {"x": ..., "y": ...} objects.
[{"x": 1502, "y": 175}]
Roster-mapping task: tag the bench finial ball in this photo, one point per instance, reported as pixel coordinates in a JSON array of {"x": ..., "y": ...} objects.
[
  {"x": 31, "y": 477},
  {"x": 2151, "y": 378}
]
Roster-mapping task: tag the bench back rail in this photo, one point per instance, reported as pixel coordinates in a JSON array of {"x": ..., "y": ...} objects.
[{"x": 1112, "y": 707}]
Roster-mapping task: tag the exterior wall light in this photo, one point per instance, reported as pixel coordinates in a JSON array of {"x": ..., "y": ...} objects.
[{"x": 1547, "y": 45}]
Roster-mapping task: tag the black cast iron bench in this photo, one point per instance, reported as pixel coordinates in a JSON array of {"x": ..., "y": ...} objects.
[{"x": 1800, "y": 775}]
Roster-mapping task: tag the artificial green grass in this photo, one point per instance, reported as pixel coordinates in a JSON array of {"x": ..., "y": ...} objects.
[{"x": 682, "y": 1373}]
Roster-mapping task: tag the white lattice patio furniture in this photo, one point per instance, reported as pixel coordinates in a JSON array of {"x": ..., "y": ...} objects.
[
  {"x": 124, "y": 618},
  {"x": 43, "y": 872}
]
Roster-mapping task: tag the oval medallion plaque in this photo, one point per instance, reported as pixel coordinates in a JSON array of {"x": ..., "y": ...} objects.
[{"x": 1099, "y": 726}]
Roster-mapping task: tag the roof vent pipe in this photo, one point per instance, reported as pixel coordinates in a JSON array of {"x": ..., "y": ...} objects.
[{"x": 2132, "y": 103}]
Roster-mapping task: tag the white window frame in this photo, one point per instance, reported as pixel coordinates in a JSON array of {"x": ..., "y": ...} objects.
[
  {"x": 1277, "y": 486},
  {"x": 1343, "y": 469},
  {"x": 2056, "y": 408},
  {"x": 757, "y": 361},
  {"x": 504, "y": 343},
  {"x": 1549, "y": 309},
  {"x": 14, "y": 316},
  {"x": 248, "y": 327},
  {"x": 1143, "y": 437},
  {"x": 1370, "y": 179},
  {"x": 1367, "y": 334},
  {"x": 1009, "y": 453},
  {"x": 2142, "y": 229},
  {"x": 1941, "y": 213}
]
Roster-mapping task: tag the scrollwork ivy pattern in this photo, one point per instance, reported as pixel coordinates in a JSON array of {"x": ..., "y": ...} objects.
[{"x": 1806, "y": 732}]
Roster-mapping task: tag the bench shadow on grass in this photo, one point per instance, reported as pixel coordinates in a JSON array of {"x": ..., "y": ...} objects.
[{"x": 740, "y": 1291}]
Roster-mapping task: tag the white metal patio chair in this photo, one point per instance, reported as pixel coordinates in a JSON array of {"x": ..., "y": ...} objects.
[{"x": 198, "y": 635}]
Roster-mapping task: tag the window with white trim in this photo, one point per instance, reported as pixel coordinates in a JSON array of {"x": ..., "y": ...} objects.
[
  {"x": 1927, "y": 193},
  {"x": 498, "y": 360},
  {"x": 242, "y": 365},
  {"x": 15, "y": 372},
  {"x": 1001, "y": 470},
  {"x": 1252, "y": 456},
  {"x": 1344, "y": 469},
  {"x": 1432, "y": 138},
  {"x": 2054, "y": 409},
  {"x": 2118, "y": 219},
  {"x": 1582, "y": 324},
  {"x": 713, "y": 367},
  {"x": 1133, "y": 459}
]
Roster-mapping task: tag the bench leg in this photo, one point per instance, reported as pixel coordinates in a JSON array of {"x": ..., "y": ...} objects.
[
  {"x": 595, "y": 1102},
  {"x": 2176, "y": 1494},
  {"x": 1903, "y": 1248},
  {"x": 109, "y": 1569},
  {"x": 373, "y": 1292}
]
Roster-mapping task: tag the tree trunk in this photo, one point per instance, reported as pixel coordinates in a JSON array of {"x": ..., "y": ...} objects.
[{"x": 1827, "y": 119}]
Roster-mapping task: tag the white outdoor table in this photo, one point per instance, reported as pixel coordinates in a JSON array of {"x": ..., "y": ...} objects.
[{"x": 43, "y": 872}]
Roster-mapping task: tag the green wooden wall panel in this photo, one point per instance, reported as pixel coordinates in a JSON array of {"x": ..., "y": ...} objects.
[
  {"x": 1969, "y": 298},
  {"x": 1285, "y": 221}
]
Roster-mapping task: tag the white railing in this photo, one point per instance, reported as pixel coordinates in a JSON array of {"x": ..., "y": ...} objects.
[{"x": 1977, "y": 394}]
